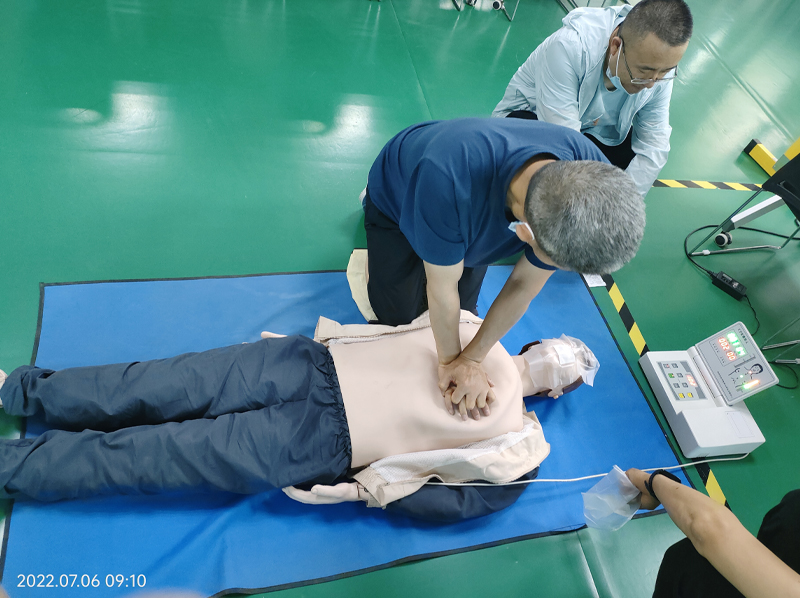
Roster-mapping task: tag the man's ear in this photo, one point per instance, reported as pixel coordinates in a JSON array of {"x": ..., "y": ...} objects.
[
  {"x": 524, "y": 234},
  {"x": 614, "y": 43}
]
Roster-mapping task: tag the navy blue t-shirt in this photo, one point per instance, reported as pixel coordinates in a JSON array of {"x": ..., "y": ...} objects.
[{"x": 445, "y": 183}]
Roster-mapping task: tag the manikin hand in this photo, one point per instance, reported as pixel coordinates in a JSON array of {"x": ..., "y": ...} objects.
[
  {"x": 267, "y": 334},
  {"x": 463, "y": 382},
  {"x": 327, "y": 495}
]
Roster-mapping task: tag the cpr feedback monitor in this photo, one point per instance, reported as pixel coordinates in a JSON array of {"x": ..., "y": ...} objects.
[{"x": 701, "y": 391}]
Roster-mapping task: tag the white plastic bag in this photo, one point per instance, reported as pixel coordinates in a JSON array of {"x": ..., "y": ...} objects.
[
  {"x": 557, "y": 362},
  {"x": 612, "y": 502}
]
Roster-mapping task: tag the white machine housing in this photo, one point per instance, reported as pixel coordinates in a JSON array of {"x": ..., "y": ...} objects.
[{"x": 701, "y": 392}]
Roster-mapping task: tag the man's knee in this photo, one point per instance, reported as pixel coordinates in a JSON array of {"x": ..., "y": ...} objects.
[{"x": 393, "y": 308}]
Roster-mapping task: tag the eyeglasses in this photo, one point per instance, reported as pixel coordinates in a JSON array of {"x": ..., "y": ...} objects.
[{"x": 639, "y": 80}]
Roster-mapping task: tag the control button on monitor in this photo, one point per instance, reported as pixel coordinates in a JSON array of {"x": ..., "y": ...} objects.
[
  {"x": 690, "y": 395},
  {"x": 685, "y": 385},
  {"x": 680, "y": 375},
  {"x": 675, "y": 365},
  {"x": 681, "y": 395},
  {"x": 671, "y": 375},
  {"x": 666, "y": 365},
  {"x": 676, "y": 385}
]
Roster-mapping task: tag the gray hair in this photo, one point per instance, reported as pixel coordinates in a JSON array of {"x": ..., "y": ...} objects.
[
  {"x": 669, "y": 20},
  {"x": 586, "y": 216}
]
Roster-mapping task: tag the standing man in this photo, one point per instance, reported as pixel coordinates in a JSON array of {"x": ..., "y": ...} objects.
[
  {"x": 447, "y": 198},
  {"x": 608, "y": 73}
]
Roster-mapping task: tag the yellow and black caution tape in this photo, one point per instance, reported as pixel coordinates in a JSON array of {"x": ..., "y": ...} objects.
[
  {"x": 674, "y": 184},
  {"x": 625, "y": 315},
  {"x": 711, "y": 484},
  {"x": 709, "y": 481}
]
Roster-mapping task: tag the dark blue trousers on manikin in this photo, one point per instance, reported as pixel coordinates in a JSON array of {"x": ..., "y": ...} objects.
[{"x": 245, "y": 419}]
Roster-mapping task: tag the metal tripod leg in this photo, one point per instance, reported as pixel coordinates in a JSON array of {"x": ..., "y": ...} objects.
[{"x": 501, "y": 5}]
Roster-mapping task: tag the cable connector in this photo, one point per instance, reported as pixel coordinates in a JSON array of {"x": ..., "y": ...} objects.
[{"x": 733, "y": 287}]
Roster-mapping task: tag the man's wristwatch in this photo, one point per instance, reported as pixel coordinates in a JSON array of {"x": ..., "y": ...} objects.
[{"x": 648, "y": 484}]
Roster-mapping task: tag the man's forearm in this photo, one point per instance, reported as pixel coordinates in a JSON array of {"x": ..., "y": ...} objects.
[
  {"x": 506, "y": 311},
  {"x": 516, "y": 295},
  {"x": 445, "y": 312}
]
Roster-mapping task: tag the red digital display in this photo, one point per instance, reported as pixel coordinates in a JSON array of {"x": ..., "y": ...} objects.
[
  {"x": 726, "y": 347},
  {"x": 690, "y": 380}
]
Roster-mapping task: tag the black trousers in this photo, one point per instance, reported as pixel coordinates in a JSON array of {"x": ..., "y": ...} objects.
[
  {"x": 684, "y": 573},
  {"x": 397, "y": 285},
  {"x": 619, "y": 155}
]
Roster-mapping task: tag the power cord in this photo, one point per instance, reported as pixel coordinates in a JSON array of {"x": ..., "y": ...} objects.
[
  {"x": 731, "y": 286},
  {"x": 791, "y": 371},
  {"x": 588, "y": 477}
]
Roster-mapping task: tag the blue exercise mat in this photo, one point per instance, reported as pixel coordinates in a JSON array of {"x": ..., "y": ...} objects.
[{"x": 217, "y": 542}]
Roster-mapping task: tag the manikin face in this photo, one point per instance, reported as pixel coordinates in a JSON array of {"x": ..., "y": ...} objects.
[{"x": 642, "y": 58}]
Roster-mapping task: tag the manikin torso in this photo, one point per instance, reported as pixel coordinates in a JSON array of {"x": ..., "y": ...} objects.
[{"x": 393, "y": 403}]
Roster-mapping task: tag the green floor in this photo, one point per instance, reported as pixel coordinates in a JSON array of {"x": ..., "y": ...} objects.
[{"x": 166, "y": 138}]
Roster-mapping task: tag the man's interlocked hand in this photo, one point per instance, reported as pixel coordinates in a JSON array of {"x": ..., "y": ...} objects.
[{"x": 464, "y": 383}]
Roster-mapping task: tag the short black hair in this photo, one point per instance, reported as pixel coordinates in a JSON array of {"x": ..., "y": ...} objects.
[{"x": 669, "y": 20}]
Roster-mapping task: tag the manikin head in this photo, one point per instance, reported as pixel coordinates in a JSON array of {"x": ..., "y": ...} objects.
[
  {"x": 646, "y": 48},
  {"x": 556, "y": 366}
]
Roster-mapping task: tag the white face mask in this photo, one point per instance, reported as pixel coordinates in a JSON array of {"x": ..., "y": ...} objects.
[
  {"x": 513, "y": 227},
  {"x": 615, "y": 79}
]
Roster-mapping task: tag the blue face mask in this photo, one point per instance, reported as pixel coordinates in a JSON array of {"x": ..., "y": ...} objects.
[
  {"x": 615, "y": 79},
  {"x": 513, "y": 227}
]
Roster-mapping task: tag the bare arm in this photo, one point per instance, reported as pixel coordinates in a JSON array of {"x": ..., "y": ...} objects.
[
  {"x": 462, "y": 379},
  {"x": 522, "y": 286},
  {"x": 718, "y": 535},
  {"x": 463, "y": 382},
  {"x": 445, "y": 308}
]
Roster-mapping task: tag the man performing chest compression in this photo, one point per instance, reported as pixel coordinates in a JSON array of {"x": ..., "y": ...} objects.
[{"x": 447, "y": 198}]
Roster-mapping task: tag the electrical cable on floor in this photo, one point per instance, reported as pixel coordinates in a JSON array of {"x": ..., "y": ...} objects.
[
  {"x": 790, "y": 370},
  {"x": 768, "y": 232},
  {"x": 714, "y": 275},
  {"x": 686, "y": 248},
  {"x": 755, "y": 315},
  {"x": 588, "y": 477}
]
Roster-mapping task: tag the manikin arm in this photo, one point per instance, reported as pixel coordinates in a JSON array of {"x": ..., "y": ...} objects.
[
  {"x": 718, "y": 535},
  {"x": 446, "y": 504},
  {"x": 442, "y": 504},
  {"x": 328, "y": 495}
]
